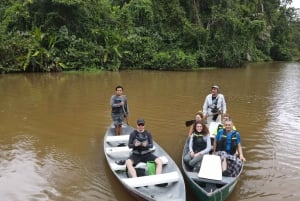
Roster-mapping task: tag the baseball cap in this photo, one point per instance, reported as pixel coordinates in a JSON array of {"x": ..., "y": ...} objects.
[
  {"x": 140, "y": 121},
  {"x": 215, "y": 86}
]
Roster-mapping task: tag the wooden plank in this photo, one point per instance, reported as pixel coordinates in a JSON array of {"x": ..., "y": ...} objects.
[
  {"x": 211, "y": 167},
  {"x": 117, "y": 138},
  {"x": 117, "y": 150},
  {"x": 152, "y": 179},
  {"x": 117, "y": 167},
  {"x": 120, "y": 151},
  {"x": 225, "y": 180},
  {"x": 213, "y": 127}
]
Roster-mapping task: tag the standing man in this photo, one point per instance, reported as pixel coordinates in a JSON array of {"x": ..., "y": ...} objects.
[
  {"x": 119, "y": 109},
  {"x": 214, "y": 105},
  {"x": 141, "y": 142}
]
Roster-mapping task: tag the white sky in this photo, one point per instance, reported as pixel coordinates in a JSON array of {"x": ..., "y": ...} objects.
[{"x": 296, "y": 3}]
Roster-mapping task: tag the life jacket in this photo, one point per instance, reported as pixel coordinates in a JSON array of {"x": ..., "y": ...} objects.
[
  {"x": 142, "y": 137},
  {"x": 221, "y": 144},
  {"x": 220, "y": 126},
  {"x": 117, "y": 110},
  {"x": 198, "y": 142}
]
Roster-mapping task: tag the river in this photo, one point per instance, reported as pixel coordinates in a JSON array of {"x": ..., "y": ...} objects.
[{"x": 52, "y": 127}]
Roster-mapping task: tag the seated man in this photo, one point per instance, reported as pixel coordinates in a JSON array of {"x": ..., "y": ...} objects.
[
  {"x": 140, "y": 140},
  {"x": 226, "y": 144},
  {"x": 226, "y": 117}
]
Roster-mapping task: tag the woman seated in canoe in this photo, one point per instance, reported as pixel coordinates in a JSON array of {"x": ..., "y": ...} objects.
[
  {"x": 226, "y": 144},
  {"x": 191, "y": 123},
  {"x": 199, "y": 145}
]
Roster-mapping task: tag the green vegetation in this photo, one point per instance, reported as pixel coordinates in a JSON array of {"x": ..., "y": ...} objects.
[{"x": 88, "y": 35}]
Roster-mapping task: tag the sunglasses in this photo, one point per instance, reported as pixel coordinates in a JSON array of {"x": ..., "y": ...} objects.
[{"x": 140, "y": 124}]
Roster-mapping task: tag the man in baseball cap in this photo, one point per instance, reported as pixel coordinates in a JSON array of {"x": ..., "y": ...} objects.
[{"x": 214, "y": 105}]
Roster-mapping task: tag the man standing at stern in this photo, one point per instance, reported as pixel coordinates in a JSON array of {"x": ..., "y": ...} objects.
[
  {"x": 214, "y": 105},
  {"x": 119, "y": 109}
]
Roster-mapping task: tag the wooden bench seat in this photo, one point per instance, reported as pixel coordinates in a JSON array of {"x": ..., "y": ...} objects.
[
  {"x": 211, "y": 167},
  {"x": 152, "y": 179},
  {"x": 120, "y": 151},
  {"x": 117, "y": 167},
  {"x": 117, "y": 138},
  {"x": 195, "y": 177}
]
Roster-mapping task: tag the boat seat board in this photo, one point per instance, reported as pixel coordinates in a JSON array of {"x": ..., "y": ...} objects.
[
  {"x": 117, "y": 138},
  {"x": 152, "y": 179},
  {"x": 117, "y": 167},
  {"x": 213, "y": 126},
  {"x": 194, "y": 176},
  {"x": 120, "y": 151},
  {"x": 211, "y": 167}
]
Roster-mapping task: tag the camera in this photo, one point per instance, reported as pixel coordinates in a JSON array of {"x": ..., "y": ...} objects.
[
  {"x": 214, "y": 110},
  {"x": 140, "y": 137}
]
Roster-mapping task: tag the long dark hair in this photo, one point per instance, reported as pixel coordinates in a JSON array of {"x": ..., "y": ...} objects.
[{"x": 204, "y": 131}]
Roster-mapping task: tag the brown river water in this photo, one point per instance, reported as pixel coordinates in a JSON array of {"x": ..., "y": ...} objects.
[{"x": 52, "y": 127}]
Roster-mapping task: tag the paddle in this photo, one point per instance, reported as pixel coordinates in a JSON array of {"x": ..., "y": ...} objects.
[
  {"x": 190, "y": 122},
  {"x": 125, "y": 116},
  {"x": 126, "y": 120}
]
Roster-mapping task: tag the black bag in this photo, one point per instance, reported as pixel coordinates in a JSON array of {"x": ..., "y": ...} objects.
[
  {"x": 139, "y": 172},
  {"x": 215, "y": 110}
]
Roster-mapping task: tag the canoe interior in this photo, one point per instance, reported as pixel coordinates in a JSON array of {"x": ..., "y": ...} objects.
[
  {"x": 206, "y": 189},
  {"x": 173, "y": 190}
]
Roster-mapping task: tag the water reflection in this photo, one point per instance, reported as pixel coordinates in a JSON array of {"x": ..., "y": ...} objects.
[
  {"x": 20, "y": 172},
  {"x": 273, "y": 172},
  {"x": 30, "y": 173},
  {"x": 52, "y": 128}
]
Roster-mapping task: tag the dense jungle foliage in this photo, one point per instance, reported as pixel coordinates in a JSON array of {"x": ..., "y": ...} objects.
[{"x": 60, "y": 35}]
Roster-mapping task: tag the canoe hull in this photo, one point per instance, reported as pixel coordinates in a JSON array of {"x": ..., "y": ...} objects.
[
  {"x": 203, "y": 195},
  {"x": 208, "y": 190},
  {"x": 175, "y": 190}
]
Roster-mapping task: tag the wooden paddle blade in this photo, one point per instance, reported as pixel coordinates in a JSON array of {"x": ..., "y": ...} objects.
[{"x": 189, "y": 123}]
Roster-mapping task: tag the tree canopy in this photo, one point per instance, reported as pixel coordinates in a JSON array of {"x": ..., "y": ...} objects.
[{"x": 61, "y": 35}]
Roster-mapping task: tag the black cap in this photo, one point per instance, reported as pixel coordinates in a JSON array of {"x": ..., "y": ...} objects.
[{"x": 140, "y": 121}]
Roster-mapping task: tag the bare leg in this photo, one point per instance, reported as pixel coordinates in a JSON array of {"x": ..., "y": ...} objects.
[
  {"x": 158, "y": 166},
  {"x": 116, "y": 129},
  {"x": 224, "y": 164},
  {"x": 130, "y": 168},
  {"x": 120, "y": 129}
]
